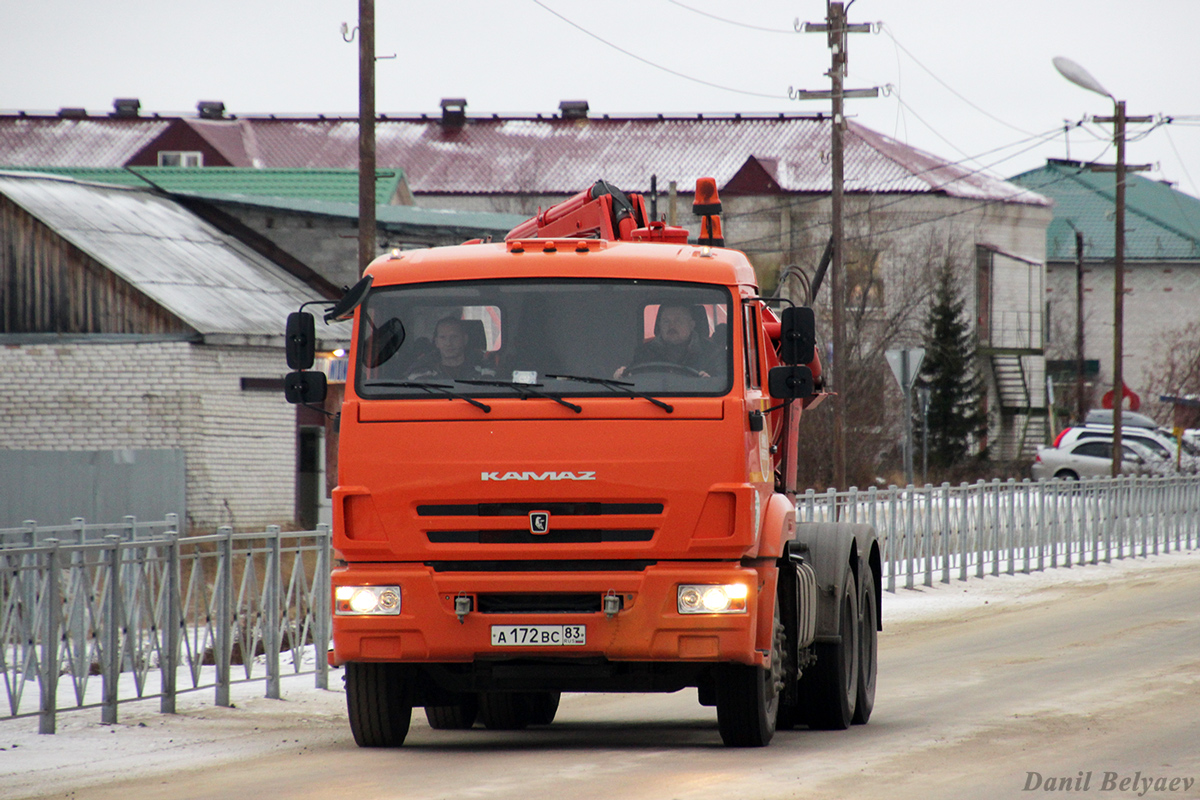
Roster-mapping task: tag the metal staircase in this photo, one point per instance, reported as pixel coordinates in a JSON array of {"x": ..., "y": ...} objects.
[{"x": 1023, "y": 419}]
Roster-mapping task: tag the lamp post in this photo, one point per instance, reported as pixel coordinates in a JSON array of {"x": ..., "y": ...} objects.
[{"x": 1081, "y": 77}]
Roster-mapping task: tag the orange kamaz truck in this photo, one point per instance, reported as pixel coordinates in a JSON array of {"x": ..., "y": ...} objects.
[{"x": 567, "y": 463}]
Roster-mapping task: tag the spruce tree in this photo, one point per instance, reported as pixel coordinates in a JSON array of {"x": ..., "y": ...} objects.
[{"x": 950, "y": 371}]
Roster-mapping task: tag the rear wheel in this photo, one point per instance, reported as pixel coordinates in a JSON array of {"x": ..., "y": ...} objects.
[
  {"x": 868, "y": 648},
  {"x": 379, "y": 703},
  {"x": 542, "y": 707},
  {"x": 1066, "y": 475},
  {"x": 456, "y": 716},
  {"x": 829, "y": 688},
  {"x": 748, "y": 697},
  {"x": 503, "y": 711}
]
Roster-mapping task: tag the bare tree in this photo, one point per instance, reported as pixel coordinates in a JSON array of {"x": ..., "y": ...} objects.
[
  {"x": 1177, "y": 371},
  {"x": 889, "y": 285}
]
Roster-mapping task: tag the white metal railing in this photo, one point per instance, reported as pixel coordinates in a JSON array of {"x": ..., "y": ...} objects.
[
  {"x": 117, "y": 602},
  {"x": 973, "y": 530}
]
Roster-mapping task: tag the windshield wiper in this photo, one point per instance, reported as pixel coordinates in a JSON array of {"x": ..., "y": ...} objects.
[
  {"x": 526, "y": 390},
  {"x": 616, "y": 386},
  {"x": 432, "y": 387}
]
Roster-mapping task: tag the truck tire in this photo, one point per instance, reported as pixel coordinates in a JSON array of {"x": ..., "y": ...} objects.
[
  {"x": 542, "y": 706},
  {"x": 748, "y": 697},
  {"x": 503, "y": 711},
  {"x": 455, "y": 717},
  {"x": 379, "y": 703},
  {"x": 830, "y": 687},
  {"x": 868, "y": 648}
]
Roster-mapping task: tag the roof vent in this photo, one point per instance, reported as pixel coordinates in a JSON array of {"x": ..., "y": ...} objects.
[
  {"x": 211, "y": 109},
  {"x": 72, "y": 113},
  {"x": 573, "y": 109},
  {"x": 126, "y": 107},
  {"x": 454, "y": 111}
]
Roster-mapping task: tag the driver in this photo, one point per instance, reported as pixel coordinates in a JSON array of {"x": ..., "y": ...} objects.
[
  {"x": 676, "y": 341},
  {"x": 452, "y": 357}
]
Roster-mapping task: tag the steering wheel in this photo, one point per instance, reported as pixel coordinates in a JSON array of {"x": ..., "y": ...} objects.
[{"x": 662, "y": 366}]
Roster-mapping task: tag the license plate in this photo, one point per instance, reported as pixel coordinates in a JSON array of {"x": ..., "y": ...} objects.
[{"x": 539, "y": 635}]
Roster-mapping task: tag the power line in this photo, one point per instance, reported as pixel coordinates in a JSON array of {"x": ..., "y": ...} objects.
[
  {"x": 648, "y": 62},
  {"x": 887, "y": 30},
  {"x": 729, "y": 21}
]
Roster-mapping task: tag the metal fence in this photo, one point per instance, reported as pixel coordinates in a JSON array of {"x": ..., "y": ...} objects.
[
  {"x": 989, "y": 528},
  {"x": 118, "y": 602}
]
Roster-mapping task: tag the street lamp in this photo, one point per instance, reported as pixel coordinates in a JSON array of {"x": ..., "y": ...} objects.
[{"x": 1081, "y": 77}]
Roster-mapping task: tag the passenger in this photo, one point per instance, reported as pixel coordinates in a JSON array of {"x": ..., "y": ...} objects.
[
  {"x": 676, "y": 342},
  {"x": 451, "y": 358}
]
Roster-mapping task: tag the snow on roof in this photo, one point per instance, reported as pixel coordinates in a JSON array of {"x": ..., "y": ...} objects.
[
  {"x": 207, "y": 279},
  {"x": 53, "y": 141},
  {"x": 495, "y": 155}
]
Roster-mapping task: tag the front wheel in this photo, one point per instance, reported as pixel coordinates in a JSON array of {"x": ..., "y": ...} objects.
[
  {"x": 379, "y": 703},
  {"x": 748, "y": 697},
  {"x": 829, "y": 688}
]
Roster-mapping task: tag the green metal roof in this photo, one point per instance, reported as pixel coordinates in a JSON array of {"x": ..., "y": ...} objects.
[
  {"x": 328, "y": 185},
  {"x": 1161, "y": 224},
  {"x": 407, "y": 220}
]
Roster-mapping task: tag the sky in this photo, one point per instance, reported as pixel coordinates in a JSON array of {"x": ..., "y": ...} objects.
[{"x": 968, "y": 81}]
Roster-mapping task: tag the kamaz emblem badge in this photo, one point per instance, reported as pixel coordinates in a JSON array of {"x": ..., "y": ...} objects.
[{"x": 539, "y": 522}]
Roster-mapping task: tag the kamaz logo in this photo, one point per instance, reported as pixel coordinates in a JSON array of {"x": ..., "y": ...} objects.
[{"x": 537, "y": 476}]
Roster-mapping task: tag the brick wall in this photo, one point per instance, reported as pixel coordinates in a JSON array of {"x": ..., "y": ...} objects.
[
  {"x": 1159, "y": 299},
  {"x": 240, "y": 445}
]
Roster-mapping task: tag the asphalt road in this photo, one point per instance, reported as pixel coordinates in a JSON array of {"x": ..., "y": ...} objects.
[{"x": 1080, "y": 687}]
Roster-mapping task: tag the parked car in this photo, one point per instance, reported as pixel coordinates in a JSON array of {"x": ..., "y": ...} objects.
[
  {"x": 1159, "y": 442},
  {"x": 1092, "y": 458}
]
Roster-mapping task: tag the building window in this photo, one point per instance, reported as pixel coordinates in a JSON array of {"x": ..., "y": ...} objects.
[{"x": 180, "y": 158}]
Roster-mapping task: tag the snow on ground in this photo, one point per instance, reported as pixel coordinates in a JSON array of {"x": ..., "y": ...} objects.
[{"x": 84, "y": 752}]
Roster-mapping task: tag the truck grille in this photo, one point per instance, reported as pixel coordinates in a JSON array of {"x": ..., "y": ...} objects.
[
  {"x": 580, "y": 536},
  {"x": 522, "y": 509}
]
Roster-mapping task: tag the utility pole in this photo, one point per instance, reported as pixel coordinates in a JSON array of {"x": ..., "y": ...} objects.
[
  {"x": 1080, "y": 400},
  {"x": 835, "y": 27},
  {"x": 1118, "y": 119},
  {"x": 366, "y": 134},
  {"x": 1081, "y": 77}
]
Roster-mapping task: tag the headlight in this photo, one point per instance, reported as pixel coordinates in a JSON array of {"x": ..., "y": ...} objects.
[
  {"x": 377, "y": 600},
  {"x": 708, "y": 599}
]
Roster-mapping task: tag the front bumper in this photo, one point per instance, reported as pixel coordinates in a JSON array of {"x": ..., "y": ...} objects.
[{"x": 648, "y": 627}]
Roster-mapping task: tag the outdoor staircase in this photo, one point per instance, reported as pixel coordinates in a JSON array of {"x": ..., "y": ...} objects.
[{"x": 1023, "y": 420}]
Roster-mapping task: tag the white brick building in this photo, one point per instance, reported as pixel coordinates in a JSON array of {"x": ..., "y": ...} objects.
[
  {"x": 129, "y": 323},
  {"x": 1162, "y": 277}
]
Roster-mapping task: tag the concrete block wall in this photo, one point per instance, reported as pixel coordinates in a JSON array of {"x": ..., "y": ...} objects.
[
  {"x": 1160, "y": 298},
  {"x": 240, "y": 445}
]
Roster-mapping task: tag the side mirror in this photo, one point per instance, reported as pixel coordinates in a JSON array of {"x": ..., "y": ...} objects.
[
  {"x": 350, "y": 300},
  {"x": 790, "y": 383},
  {"x": 798, "y": 335},
  {"x": 300, "y": 340},
  {"x": 308, "y": 388},
  {"x": 383, "y": 342}
]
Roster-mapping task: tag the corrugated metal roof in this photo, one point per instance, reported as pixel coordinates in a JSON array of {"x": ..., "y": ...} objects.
[
  {"x": 207, "y": 279},
  {"x": 329, "y": 185},
  {"x": 560, "y": 156},
  {"x": 1160, "y": 222},
  {"x": 54, "y": 141},
  {"x": 557, "y": 156},
  {"x": 467, "y": 224}
]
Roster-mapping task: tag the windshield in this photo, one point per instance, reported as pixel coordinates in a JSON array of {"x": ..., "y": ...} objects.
[{"x": 534, "y": 337}]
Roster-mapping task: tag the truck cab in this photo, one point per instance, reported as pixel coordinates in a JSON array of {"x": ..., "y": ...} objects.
[{"x": 562, "y": 468}]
